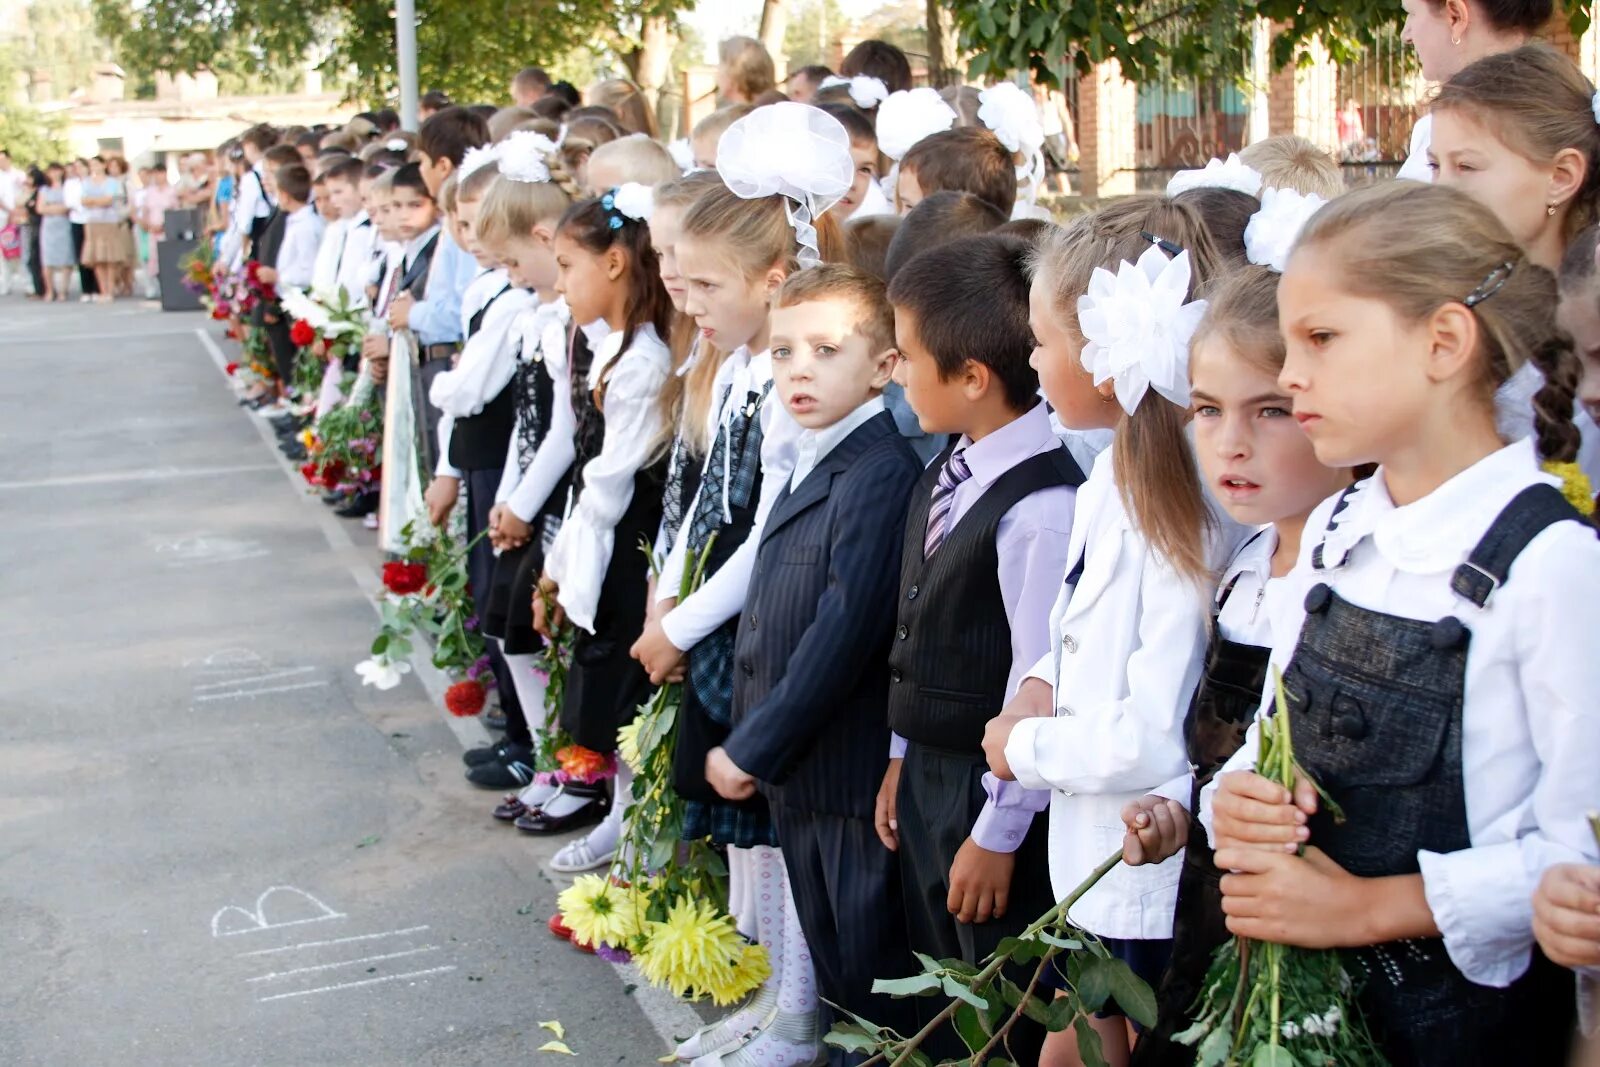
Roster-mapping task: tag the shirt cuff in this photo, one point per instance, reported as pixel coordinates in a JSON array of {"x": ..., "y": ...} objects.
[
  {"x": 1021, "y": 753},
  {"x": 897, "y": 746},
  {"x": 1006, "y": 815},
  {"x": 680, "y": 641},
  {"x": 1178, "y": 789},
  {"x": 1482, "y": 902}
]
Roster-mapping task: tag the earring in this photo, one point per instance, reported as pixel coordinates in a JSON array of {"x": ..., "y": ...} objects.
[
  {"x": 1550, "y": 209},
  {"x": 1455, "y": 40}
]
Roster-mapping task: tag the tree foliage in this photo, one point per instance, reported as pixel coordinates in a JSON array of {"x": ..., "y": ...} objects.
[
  {"x": 1156, "y": 39},
  {"x": 27, "y": 133},
  {"x": 468, "y": 48}
]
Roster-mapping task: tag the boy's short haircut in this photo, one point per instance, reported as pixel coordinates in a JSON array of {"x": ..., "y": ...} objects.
[
  {"x": 382, "y": 181},
  {"x": 449, "y": 133},
  {"x": 637, "y": 159},
  {"x": 835, "y": 281},
  {"x": 716, "y": 123},
  {"x": 531, "y": 80},
  {"x": 435, "y": 100},
  {"x": 815, "y": 73},
  {"x": 568, "y": 92},
  {"x": 261, "y": 137},
  {"x": 857, "y": 125},
  {"x": 1226, "y": 213},
  {"x": 968, "y": 158},
  {"x": 1288, "y": 161},
  {"x": 551, "y": 106},
  {"x": 941, "y": 217},
  {"x": 447, "y": 195},
  {"x": 281, "y": 155},
  {"x": 309, "y": 139},
  {"x": 387, "y": 119},
  {"x": 970, "y": 299},
  {"x": 508, "y": 119},
  {"x": 1030, "y": 230},
  {"x": 347, "y": 170},
  {"x": 294, "y": 182},
  {"x": 410, "y": 177},
  {"x": 867, "y": 241},
  {"x": 475, "y": 185}
]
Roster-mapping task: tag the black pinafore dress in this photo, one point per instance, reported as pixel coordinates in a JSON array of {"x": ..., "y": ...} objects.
[{"x": 1378, "y": 703}]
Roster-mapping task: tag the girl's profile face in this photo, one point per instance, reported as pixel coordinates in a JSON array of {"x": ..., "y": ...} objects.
[
  {"x": 729, "y": 309},
  {"x": 1579, "y": 315},
  {"x": 529, "y": 260},
  {"x": 583, "y": 278},
  {"x": 1468, "y": 155},
  {"x": 666, "y": 227},
  {"x": 1058, "y": 358},
  {"x": 1356, "y": 372},
  {"x": 1253, "y": 455}
]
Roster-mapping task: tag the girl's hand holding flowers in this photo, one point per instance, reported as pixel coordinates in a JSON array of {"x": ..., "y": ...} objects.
[{"x": 1566, "y": 914}]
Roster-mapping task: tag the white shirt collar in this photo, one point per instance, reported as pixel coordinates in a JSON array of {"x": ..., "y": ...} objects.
[
  {"x": 419, "y": 242},
  {"x": 1253, "y": 558},
  {"x": 814, "y": 445},
  {"x": 1439, "y": 531},
  {"x": 1001, "y": 450}
]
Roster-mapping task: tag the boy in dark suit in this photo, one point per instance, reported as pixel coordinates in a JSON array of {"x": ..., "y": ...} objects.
[
  {"x": 811, "y": 679},
  {"x": 986, "y": 546}
]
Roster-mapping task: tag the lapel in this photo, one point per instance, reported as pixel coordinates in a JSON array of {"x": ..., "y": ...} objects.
[
  {"x": 419, "y": 264},
  {"x": 792, "y": 503}
]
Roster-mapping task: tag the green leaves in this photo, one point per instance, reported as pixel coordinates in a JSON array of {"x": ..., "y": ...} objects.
[{"x": 918, "y": 985}]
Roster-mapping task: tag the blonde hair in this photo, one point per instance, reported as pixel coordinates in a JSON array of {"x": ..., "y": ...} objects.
[
  {"x": 447, "y": 194},
  {"x": 637, "y": 159},
  {"x": 507, "y": 120},
  {"x": 627, "y": 102},
  {"x": 474, "y": 185},
  {"x": 1538, "y": 103},
  {"x": 748, "y": 64},
  {"x": 1156, "y": 473},
  {"x": 754, "y": 234},
  {"x": 1416, "y": 247},
  {"x": 1242, "y": 312},
  {"x": 1288, "y": 161},
  {"x": 717, "y": 123},
  {"x": 583, "y": 135},
  {"x": 686, "y": 399},
  {"x": 383, "y": 184},
  {"x": 511, "y": 209},
  {"x": 838, "y": 281}
]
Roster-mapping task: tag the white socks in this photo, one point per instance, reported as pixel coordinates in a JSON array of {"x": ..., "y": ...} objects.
[{"x": 530, "y": 687}]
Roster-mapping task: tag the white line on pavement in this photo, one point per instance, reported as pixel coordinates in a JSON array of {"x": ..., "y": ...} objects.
[
  {"x": 334, "y": 941},
  {"x": 352, "y": 985},
  {"x": 342, "y": 963}
]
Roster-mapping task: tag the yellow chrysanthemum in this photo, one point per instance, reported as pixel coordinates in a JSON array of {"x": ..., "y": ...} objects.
[
  {"x": 628, "y": 746},
  {"x": 750, "y": 972},
  {"x": 308, "y": 438},
  {"x": 598, "y": 912},
  {"x": 694, "y": 949},
  {"x": 1574, "y": 485}
]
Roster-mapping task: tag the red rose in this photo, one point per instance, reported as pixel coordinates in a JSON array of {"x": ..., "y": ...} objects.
[
  {"x": 219, "y": 313},
  {"x": 232, "y": 369},
  {"x": 403, "y": 579},
  {"x": 464, "y": 699},
  {"x": 302, "y": 333},
  {"x": 308, "y": 471},
  {"x": 333, "y": 474}
]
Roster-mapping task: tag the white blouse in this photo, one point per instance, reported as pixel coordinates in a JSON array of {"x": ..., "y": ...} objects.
[
  {"x": 325, "y": 273},
  {"x": 544, "y": 332},
  {"x": 582, "y": 551},
  {"x": 1130, "y": 643},
  {"x": 722, "y": 595},
  {"x": 487, "y": 361},
  {"x": 1530, "y": 722},
  {"x": 1416, "y": 168}
]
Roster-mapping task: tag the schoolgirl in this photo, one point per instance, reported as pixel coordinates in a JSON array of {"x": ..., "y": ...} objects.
[
  {"x": 1099, "y": 720},
  {"x": 1259, "y": 465},
  {"x": 1517, "y": 131},
  {"x": 593, "y": 575},
  {"x": 1435, "y": 641},
  {"x": 514, "y": 226},
  {"x": 737, "y": 243}
]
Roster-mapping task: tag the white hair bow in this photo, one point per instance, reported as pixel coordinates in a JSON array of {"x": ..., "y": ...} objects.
[
  {"x": 682, "y": 154},
  {"x": 633, "y": 200},
  {"x": 475, "y": 159},
  {"x": 906, "y": 117},
  {"x": 397, "y": 144},
  {"x": 1137, "y": 324},
  {"x": 866, "y": 91},
  {"x": 523, "y": 155},
  {"x": 1272, "y": 231},
  {"x": 1012, "y": 116},
  {"x": 793, "y": 150},
  {"x": 1218, "y": 174}
]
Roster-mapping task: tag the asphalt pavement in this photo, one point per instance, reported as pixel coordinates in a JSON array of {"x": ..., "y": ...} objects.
[{"x": 216, "y": 846}]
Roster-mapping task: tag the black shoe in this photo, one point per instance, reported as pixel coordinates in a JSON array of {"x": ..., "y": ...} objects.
[
  {"x": 364, "y": 504},
  {"x": 335, "y": 497},
  {"x": 538, "y": 822},
  {"x": 474, "y": 756},
  {"x": 512, "y": 770},
  {"x": 294, "y": 451},
  {"x": 493, "y": 718}
]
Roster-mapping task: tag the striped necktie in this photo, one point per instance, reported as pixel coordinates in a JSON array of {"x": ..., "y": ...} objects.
[{"x": 954, "y": 473}]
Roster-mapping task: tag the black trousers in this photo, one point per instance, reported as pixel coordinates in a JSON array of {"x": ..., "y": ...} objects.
[
  {"x": 35, "y": 262},
  {"x": 86, "y": 277},
  {"x": 941, "y": 795},
  {"x": 845, "y": 884},
  {"x": 481, "y": 486}
]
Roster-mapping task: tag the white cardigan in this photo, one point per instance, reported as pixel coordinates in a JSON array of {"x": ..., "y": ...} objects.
[{"x": 1129, "y": 649}]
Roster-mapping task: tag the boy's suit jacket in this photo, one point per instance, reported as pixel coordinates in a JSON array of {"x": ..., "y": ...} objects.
[{"x": 811, "y": 677}]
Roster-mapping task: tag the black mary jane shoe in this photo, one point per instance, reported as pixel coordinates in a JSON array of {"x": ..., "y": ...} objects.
[
  {"x": 511, "y": 809},
  {"x": 538, "y": 822}
]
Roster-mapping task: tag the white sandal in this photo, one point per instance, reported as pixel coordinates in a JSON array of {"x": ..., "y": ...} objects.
[
  {"x": 729, "y": 1033},
  {"x": 576, "y": 857}
]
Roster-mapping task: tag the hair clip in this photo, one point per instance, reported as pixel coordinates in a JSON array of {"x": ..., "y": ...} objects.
[
  {"x": 1491, "y": 285},
  {"x": 1171, "y": 248}
]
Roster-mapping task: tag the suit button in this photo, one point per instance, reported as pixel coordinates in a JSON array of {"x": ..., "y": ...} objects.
[
  {"x": 1069, "y": 644},
  {"x": 894, "y": 674},
  {"x": 749, "y": 671},
  {"x": 904, "y": 632},
  {"x": 911, "y": 594}
]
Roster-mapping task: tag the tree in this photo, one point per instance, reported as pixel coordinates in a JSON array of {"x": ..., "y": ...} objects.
[
  {"x": 1154, "y": 39},
  {"x": 28, "y": 134},
  {"x": 468, "y": 48}
]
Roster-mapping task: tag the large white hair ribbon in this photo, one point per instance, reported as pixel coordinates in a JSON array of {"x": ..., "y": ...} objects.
[
  {"x": 1271, "y": 233},
  {"x": 910, "y": 115},
  {"x": 793, "y": 150},
  {"x": 1231, "y": 173},
  {"x": 1137, "y": 324}
]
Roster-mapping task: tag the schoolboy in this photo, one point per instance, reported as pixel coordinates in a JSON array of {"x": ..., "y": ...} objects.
[
  {"x": 810, "y": 680},
  {"x": 939, "y": 217},
  {"x": 358, "y": 242},
  {"x": 865, "y": 199},
  {"x": 986, "y": 545},
  {"x": 968, "y": 158}
]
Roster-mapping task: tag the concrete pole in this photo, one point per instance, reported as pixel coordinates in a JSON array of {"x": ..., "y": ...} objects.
[{"x": 405, "y": 32}]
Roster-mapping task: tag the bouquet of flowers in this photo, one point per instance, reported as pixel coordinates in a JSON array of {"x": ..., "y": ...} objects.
[
  {"x": 664, "y": 902},
  {"x": 198, "y": 267},
  {"x": 326, "y": 316},
  {"x": 344, "y": 448},
  {"x": 1267, "y": 1005},
  {"x": 426, "y": 590}
]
